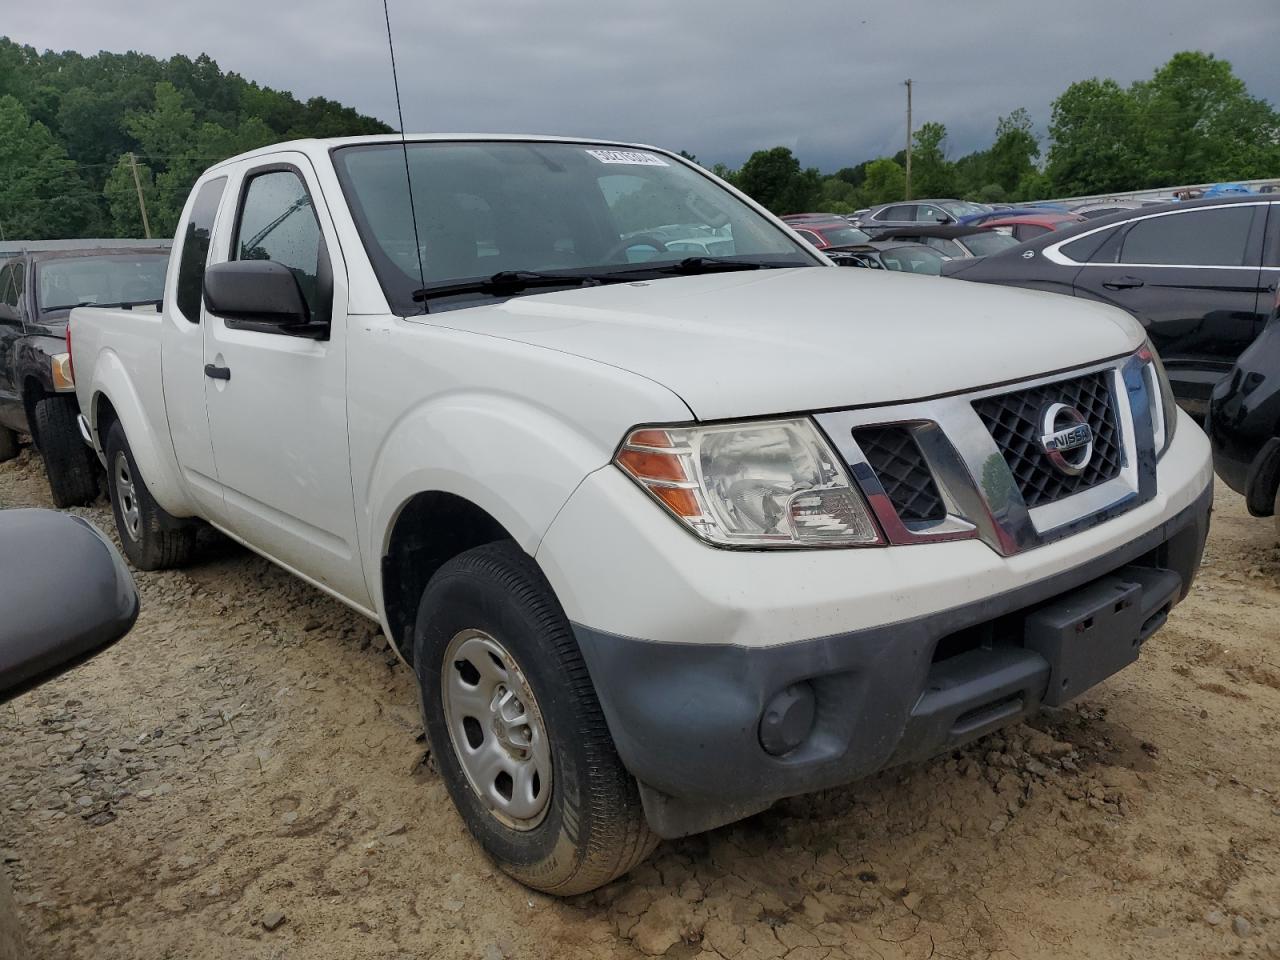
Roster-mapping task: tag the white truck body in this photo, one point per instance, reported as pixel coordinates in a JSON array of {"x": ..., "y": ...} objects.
[{"x": 315, "y": 451}]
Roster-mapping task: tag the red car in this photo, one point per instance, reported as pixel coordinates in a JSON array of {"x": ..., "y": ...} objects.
[
  {"x": 1033, "y": 225},
  {"x": 828, "y": 232}
]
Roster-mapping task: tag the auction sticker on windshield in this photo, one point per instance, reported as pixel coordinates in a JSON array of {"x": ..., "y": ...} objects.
[{"x": 629, "y": 156}]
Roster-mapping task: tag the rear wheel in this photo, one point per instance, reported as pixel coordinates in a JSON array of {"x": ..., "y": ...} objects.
[
  {"x": 152, "y": 538},
  {"x": 8, "y": 444},
  {"x": 70, "y": 465},
  {"x": 517, "y": 730}
]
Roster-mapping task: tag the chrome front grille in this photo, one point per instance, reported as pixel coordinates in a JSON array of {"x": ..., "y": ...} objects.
[
  {"x": 899, "y": 463},
  {"x": 973, "y": 465},
  {"x": 1015, "y": 422}
]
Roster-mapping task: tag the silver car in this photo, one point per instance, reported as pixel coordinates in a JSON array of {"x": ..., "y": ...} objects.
[{"x": 916, "y": 212}]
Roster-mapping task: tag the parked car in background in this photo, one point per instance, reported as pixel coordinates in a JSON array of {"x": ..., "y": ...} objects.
[
  {"x": 953, "y": 241},
  {"x": 1101, "y": 207},
  {"x": 834, "y": 232},
  {"x": 873, "y": 518},
  {"x": 907, "y": 212},
  {"x": 898, "y": 255},
  {"x": 1243, "y": 422},
  {"x": 38, "y": 289},
  {"x": 1001, "y": 213},
  {"x": 1199, "y": 275},
  {"x": 1028, "y": 226},
  {"x": 1226, "y": 190}
]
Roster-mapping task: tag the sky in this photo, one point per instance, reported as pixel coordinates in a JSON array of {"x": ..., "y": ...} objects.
[{"x": 717, "y": 79}]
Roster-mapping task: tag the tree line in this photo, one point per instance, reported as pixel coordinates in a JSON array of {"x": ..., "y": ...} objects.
[
  {"x": 1194, "y": 121},
  {"x": 69, "y": 122}
]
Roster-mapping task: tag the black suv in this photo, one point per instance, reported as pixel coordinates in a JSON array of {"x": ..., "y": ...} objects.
[
  {"x": 39, "y": 285},
  {"x": 1199, "y": 275},
  {"x": 1244, "y": 422}
]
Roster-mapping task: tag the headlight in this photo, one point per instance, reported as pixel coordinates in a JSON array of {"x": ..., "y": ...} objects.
[
  {"x": 1164, "y": 415},
  {"x": 770, "y": 484}
]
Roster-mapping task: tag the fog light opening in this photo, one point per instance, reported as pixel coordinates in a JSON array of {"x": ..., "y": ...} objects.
[{"x": 788, "y": 719}]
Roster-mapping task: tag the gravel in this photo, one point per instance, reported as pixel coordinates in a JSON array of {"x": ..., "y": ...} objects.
[{"x": 259, "y": 790}]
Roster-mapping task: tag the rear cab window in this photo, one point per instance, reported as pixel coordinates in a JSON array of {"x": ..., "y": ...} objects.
[{"x": 194, "y": 255}]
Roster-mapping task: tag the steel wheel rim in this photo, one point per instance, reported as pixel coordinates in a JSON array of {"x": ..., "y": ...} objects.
[
  {"x": 496, "y": 729},
  {"x": 127, "y": 497}
]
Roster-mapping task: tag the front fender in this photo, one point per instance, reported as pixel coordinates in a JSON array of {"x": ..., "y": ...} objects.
[
  {"x": 516, "y": 461},
  {"x": 149, "y": 441},
  {"x": 32, "y": 358}
]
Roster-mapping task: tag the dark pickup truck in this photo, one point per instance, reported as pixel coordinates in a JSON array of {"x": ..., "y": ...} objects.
[{"x": 39, "y": 284}]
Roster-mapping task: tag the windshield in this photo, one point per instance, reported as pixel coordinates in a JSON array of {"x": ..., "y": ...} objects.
[
  {"x": 79, "y": 281},
  {"x": 843, "y": 236},
  {"x": 914, "y": 259},
  {"x": 988, "y": 242},
  {"x": 488, "y": 207},
  {"x": 964, "y": 208}
]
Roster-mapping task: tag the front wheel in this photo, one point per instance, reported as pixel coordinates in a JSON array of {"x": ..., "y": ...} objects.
[
  {"x": 151, "y": 537},
  {"x": 70, "y": 465},
  {"x": 517, "y": 730}
]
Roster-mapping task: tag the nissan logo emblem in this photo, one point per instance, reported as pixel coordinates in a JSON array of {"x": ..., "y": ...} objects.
[{"x": 1066, "y": 438}]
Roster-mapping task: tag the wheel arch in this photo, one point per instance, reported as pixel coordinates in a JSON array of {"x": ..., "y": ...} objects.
[
  {"x": 430, "y": 529},
  {"x": 115, "y": 398}
]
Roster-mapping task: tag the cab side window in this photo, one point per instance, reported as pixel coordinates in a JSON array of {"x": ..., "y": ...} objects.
[
  {"x": 195, "y": 249},
  {"x": 11, "y": 291},
  {"x": 278, "y": 222},
  {"x": 1208, "y": 238}
]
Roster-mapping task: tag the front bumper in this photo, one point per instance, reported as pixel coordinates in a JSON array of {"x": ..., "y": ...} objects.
[
  {"x": 686, "y": 717},
  {"x": 724, "y": 632}
]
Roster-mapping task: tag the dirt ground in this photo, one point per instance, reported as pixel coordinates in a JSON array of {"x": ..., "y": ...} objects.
[{"x": 250, "y": 757}]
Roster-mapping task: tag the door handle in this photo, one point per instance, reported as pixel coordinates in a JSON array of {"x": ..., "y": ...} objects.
[
  {"x": 217, "y": 373},
  {"x": 1123, "y": 283}
]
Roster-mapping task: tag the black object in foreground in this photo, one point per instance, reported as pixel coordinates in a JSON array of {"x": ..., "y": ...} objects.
[{"x": 65, "y": 594}]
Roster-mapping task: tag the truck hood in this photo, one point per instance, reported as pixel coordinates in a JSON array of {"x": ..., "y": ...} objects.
[{"x": 767, "y": 342}]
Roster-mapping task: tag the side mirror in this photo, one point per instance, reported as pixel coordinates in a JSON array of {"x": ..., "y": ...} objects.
[
  {"x": 66, "y": 593},
  {"x": 943, "y": 218},
  {"x": 255, "y": 291}
]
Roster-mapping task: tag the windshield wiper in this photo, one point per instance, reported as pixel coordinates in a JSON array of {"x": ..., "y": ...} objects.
[
  {"x": 714, "y": 265},
  {"x": 509, "y": 281}
]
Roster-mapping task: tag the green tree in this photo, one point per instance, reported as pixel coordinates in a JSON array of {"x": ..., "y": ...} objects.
[
  {"x": 1198, "y": 123},
  {"x": 774, "y": 178},
  {"x": 41, "y": 194},
  {"x": 1095, "y": 140},
  {"x": 837, "y": 196},
  {"x": 1013, "y": 154},
  {"x": 931, "y": 174},
  {"x": 886, "y": 181}
]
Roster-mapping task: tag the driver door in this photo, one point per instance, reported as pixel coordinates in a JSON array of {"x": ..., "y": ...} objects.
[{"x": 276, "y": 399}]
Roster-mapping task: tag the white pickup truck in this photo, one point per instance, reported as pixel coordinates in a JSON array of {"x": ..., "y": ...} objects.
[{"x": 665, "y": 537}]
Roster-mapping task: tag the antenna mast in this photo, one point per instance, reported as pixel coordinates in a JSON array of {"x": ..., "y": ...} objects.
[{"x": 404, "y": 146}]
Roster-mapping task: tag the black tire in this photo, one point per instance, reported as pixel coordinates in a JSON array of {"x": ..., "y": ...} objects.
[
  {"x": 153, "y": 539},
  {"x": 70, "y": 465},
  {"x": 592, "y": 828},
  {"x": 8, "y": 444}
]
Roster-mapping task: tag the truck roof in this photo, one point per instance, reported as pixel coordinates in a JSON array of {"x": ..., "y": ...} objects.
[{"x": 314, "y": 146}]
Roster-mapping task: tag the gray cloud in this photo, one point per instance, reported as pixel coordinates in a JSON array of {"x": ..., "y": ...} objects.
[{"x": 718, "y": 79}]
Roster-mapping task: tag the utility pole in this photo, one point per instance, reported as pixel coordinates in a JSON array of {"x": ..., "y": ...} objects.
[
  {"x": 142, "y": 203},
  {"x": 908, "y": 138}
]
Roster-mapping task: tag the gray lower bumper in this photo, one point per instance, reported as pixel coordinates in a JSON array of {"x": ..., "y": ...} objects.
[{"x": 686, "y": 718}]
